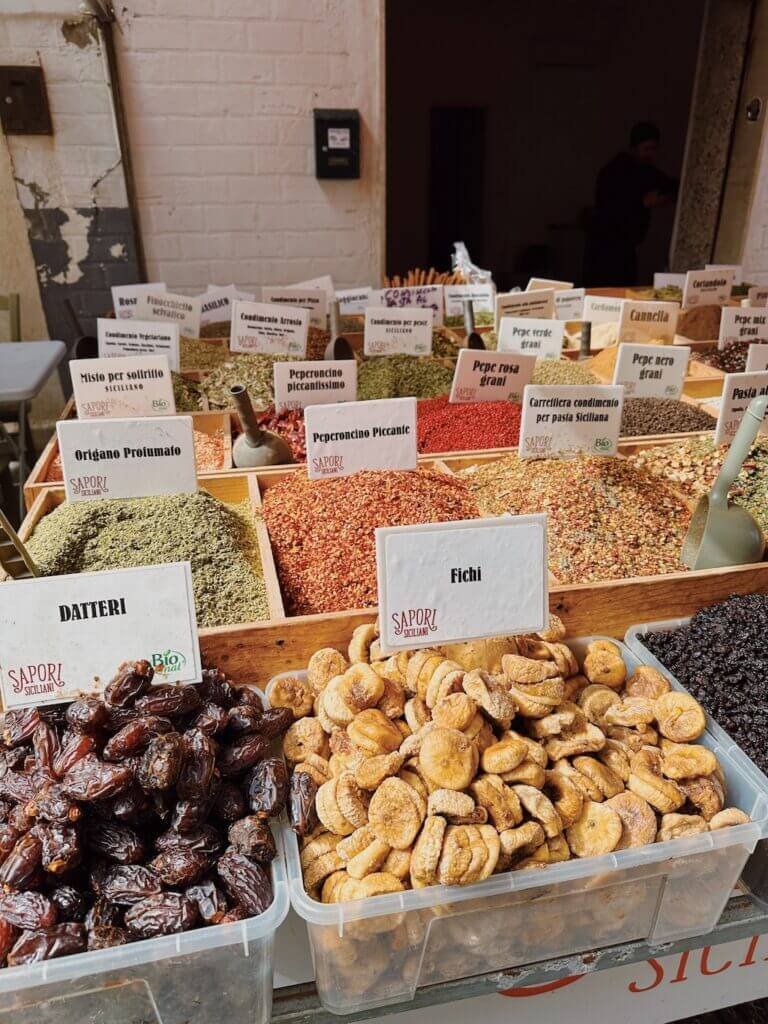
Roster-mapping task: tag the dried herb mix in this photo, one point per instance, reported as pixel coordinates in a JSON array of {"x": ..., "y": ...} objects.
[
  {"x": 217, "y": 539},
  {"x": 403, "y": 376}
]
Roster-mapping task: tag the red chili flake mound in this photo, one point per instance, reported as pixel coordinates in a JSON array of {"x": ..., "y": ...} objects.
[
  {"x": 466, "y": 426},
  {"x": 289, "y": 425},
  {"x": 322, "y": 531}
]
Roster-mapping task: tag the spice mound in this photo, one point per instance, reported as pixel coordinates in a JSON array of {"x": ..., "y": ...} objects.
[
  {"x": 137, "y": 814},
  {"x": 322, "y": 531},
  {"x": 606, "y": 519},
  {"x": 403, "y": 376},
  {"x": 288, "y": 424},
  {"x": 199, "y": 354},
  {"x": 561, "y": 371},
  {"x": 641, "y": 416},
  {"x": 449, "y": 765},
  {"x": 209, "y": 456},
  {"x": 466, "y": 426},
  {"x": 701, "y": 323},
  {"x": 731, "y": 359},
  {"x": 255, "y": 372},
  {"x": 186, "y": 394},
  {"x": 721, "y": 656},
  {"x": 219, "y": 540}
]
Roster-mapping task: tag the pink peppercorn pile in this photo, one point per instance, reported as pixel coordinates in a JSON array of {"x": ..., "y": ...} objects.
[
  {"x": 466, "y": 426},
  {"x": 322, "y": 531}
]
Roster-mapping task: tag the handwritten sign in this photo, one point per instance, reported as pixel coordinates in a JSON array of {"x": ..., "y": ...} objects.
[
  {"x": 439, "y": 583},
  {"x": 651, "y": 371},
  {"x": 491, "y": 376},
  {"x": 389, "y": 331},
  {"x": 57, "y": 633},
  {"x": 352, "y": 436},
  {"x": 125, "y": 297},
  {"x": 131, "y": 386},
  {"x": 127, "y": 458},
  {"x": 270, "y": 328},
  {"x": 648, "y": 321},
  {"x": 707, "y": 288},
  {"x": 566, "y": 419},
  {"x": 165, "y": 307},
  {"x": 298, "y": 385},
  {"x": 542, "y": 338},
  {"x": 313, "y": 299},
  {"x": 569, "y": 304},
  {"x": 738, "y": 391},
  {"x": 138, "y": 338},
  {"x": 424, "y": 296},
  {"x": 739, "y": 324}
]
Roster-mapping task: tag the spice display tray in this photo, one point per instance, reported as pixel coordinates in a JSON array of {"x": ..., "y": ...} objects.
[
  {"x": 374, "y": 952},
  {"x": 755, "y": 875},
  {"x": 211, "y": 423},
  {"x": 223, "y": 972}
]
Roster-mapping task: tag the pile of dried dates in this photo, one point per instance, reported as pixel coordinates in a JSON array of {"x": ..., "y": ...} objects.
[{"x": 138, "y": 814}]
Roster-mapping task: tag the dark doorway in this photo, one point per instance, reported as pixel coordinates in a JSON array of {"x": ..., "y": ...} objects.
[{"x": 456, "y": 178}]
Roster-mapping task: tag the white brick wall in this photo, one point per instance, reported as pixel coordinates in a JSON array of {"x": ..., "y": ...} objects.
[
  {"x": 219, "y": 97},
  {"x": 755, "y": 252}
]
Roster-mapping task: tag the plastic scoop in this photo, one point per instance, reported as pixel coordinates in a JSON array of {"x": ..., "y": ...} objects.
[
  {"x": 474, "y": 340},
  {"x": 14, "y": 557},
  {"x": 720, "y": 533},
  {"x": 255, "y": 447}
]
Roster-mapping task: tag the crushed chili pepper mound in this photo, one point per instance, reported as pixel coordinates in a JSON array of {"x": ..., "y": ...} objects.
[
  {"x": 466, "y": 426},
  {"x": 322, "y": 531},
  {"x": 288, "y": 424}
]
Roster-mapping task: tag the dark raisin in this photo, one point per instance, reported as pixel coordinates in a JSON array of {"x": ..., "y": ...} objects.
[
  {"x": 244, "y": 882},
  {"x": 61, "y": 940},
  {"x": 130, "y": 883},
  {"x": 28, "y": 910},
  {"x": 71, "y": 904},
  {"x": 210, "y": 900},
  {"x": 50, "y": 803},
  {"x": 179, "y": 866},
  {"x": 169, "y": 701},
  {"x": 92, "y": 779},
  {"x": 267, "y": 787},
  {"x": 276, "y": 721},
  {"x": 61, "y": 847},
  {"x": 253, "y": 837},
  {"x": 197, "y": 770},
  {"x": 74, "y": 747},
  {"x": 134, "y": 737},
  {"x": 211, "y": 719},
  {"x": 243, "y": 720},
  {"x": 162, "y": 762},
  {"x": 21, "y": 865},
  {"x": 229, "y": 803},
  {"x": 301, "y": 809},
  {"x": 242, "y": 754},
  {"x": 164, "y": 914},
  {"x": 205, "y": 840},
  {"x": 129, "y": 683},
  {"x": 119, "y": 843},
  {"x": 104, "y": 937},
  {"x": 89, "y": 714},
  {"x": 19, "y": 726}
]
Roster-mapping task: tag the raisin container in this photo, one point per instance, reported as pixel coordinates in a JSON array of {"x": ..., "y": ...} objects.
[{"x": 378, "y": 951}]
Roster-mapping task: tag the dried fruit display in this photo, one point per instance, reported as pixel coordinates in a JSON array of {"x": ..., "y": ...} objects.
[
  {"x": 445, "y": 766},
  {"x": 116, "y": 814}
]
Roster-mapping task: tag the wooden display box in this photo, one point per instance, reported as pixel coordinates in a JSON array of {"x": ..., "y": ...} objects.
[{"x": 211, "y": 423}]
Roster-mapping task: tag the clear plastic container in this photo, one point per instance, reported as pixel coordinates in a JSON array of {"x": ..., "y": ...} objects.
[
  {"x": 374, "y": 952},
  {"x": 755, "y": 874},
  {"x": 206, "y": 976}
]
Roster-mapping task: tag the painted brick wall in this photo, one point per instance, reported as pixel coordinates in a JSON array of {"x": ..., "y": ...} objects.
[
  {"x": 219, "y": 96},
  {"x": 755, "y": 251}
]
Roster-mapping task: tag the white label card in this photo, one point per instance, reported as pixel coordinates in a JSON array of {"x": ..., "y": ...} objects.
[
  {"x": 540, "y": 304},
  {"x": 269, "y": 328},
  {"x": 738, "y": 391},
  {"x": 389, "y": 331},
  {"x": 669, "y": 281},
  {"x": 425, "y": 296},
  {"x": 352, "y": 436},
  {"x": 353, "y": 300},
  {"x": 131, "y": 386},
  {"x": 217, "y": 304},
  {"x": 165, "y": 307},
  {"x": 542, "y": 338},
  {"x": 651, "y": 371},
  {"x": 569, "y": 304},
  {"x": 757, "y": 358},
  {"x": 313, "y": 299},
  {"x": 298, "y": 385},
  {"x": 737, "y": 268},
  {"x": 599, "y": 309},
  {"x": 537, "y": 283},
  {"x": 127, "y": 458},
  {"x": 707, "y": 287},
  {"x": 482, "y": 296},
  {"x": 491, "y": 376},
  {"x": 125, "y": 297},
  {"x": 758, "y": 295},
  {"x": 648, "y": 321},
  {"x": 739, "y": 324},
  {"x": 442, "y": 583},
  {"x": 58, "y": 633},
  {"x": 138, "y": 338},
  {"x": 565, "y": 419},
  {"x": 324, "y": 283}
]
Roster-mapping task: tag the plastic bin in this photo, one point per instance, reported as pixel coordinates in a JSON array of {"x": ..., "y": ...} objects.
[
  {"x": 755, "y": 874},
  {"x": 206, "y": 976},
  {"x": 373, "y": 952}
]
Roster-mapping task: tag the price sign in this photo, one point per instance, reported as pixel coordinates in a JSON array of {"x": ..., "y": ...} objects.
[
  {"x": 127, "y": 458},
  {"x": 738, "y": 391},
  {"x": 352, "y": 436},
  {"x": 216, "y": 304},
  {"x": 138, "y": 338},
  {"x": 564, "y": 420},
  {"x": 442, "y": 583},
  {"x": 353, "y": 301},
  {"x": 707, "y": 287},
  {"x": 569, "y": 304},
  {"x": 539, "y": 304},
  {"x": 542, "y": 338},
  {"x": 125, "y": 297},
  {"x": 57, "y": 631},
  {"x": 298, "y": 385},
  {"x": 313, "y": 299},
  {"x": 425, "y": 296},
  {"x": 739, "y": 324},
  {"x": 601, "y": 310},
  {"x": 132, "y": 386},
  {"x": 165, "y": 307},
  {"x": 391, "y": 331},
  {"x": 491, "y": 376},
  {"x": 651, "y": 371},
  {"x": 648, "y": 321},
  {"x": 270, "y": 328}
]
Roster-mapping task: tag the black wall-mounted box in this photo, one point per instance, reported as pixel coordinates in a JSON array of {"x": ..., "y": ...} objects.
[
  {"x": 24, "y": 101},
  {"x": 337, "y": 143}
]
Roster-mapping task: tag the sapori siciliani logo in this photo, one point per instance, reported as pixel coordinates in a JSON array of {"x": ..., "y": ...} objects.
[{"x": 168, "y": 661}]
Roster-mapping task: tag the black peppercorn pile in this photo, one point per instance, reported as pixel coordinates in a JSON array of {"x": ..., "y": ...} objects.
[
  {"x": 641, "y": 416},
  {"x": 140, "y": 814},
  {"x": 721, "y": 656}
]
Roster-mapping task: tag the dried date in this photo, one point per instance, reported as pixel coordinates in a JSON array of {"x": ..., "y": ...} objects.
[
  {"x": 45, "y": 744},
  {"x": 247, "y": 695},
  {"x": 191, "y": 815},
  {"x": 162, "y": 762},
  {"x": 74, "y": 747},
  {"x": 132, "y": 806},
  {"x": 129, "y": 884},
  {"x": 50, "y": 803},
  {"x": 229, "y": 803},
  {"x": 17, "y": 787},
  {"x": 234, "y": 914},
  {"x": 169, "y": 701},
  {"x": 130, "y": 682},
  {"x": 61, "y": 940},
  {"x": 70, "y": 903},
  {"x": 19, "y": 726},
  {"x": 243, "y": 720},
  {"x": 164, "y": 914},
  {"x": 196, "y": 775},
  {"x": 88, "y": 715},
  {"x": 8, "y": 935},
  {"x": 179, "y": 866},
  {"x": 5, "y": 810},
  {"x": 206, "y": 840},
  {"x": 8, "y": 837},
  {"x": 301, "y": 810},
  {"x": 276, "y": 721},
  {"x": 242, "y": 754},
  {"x": 209, "y": 899},
  {"x": 61, "y": 849},
  {"x": 253, "y": 837},
  {"x": 267, "y": 787},
  {"x": 104, "y": 914},
  {"x": 244, "y": 882},
  {"x": 23, "y": 862},
  {"x": 20, "y": 818},
  {"x": 104, "y": 937},
  {"x": 16, "y": 758},
  {"x": 134, "y": 738},
  {"x": 116, "y": 842},
  {"x": 216, "y": 688},
  {"x": 211, "y": 719},
  {"x": 92, "y": 779},
  {"x": 29, "y": 910},
  {"x": 117, "y": 718}
]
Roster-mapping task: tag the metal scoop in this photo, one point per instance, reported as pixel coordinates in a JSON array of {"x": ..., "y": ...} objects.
[
  {"x": 474, "y": 340},
  {"x": 720, "y": 533},
  {"x": 338, "y": 347}
]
